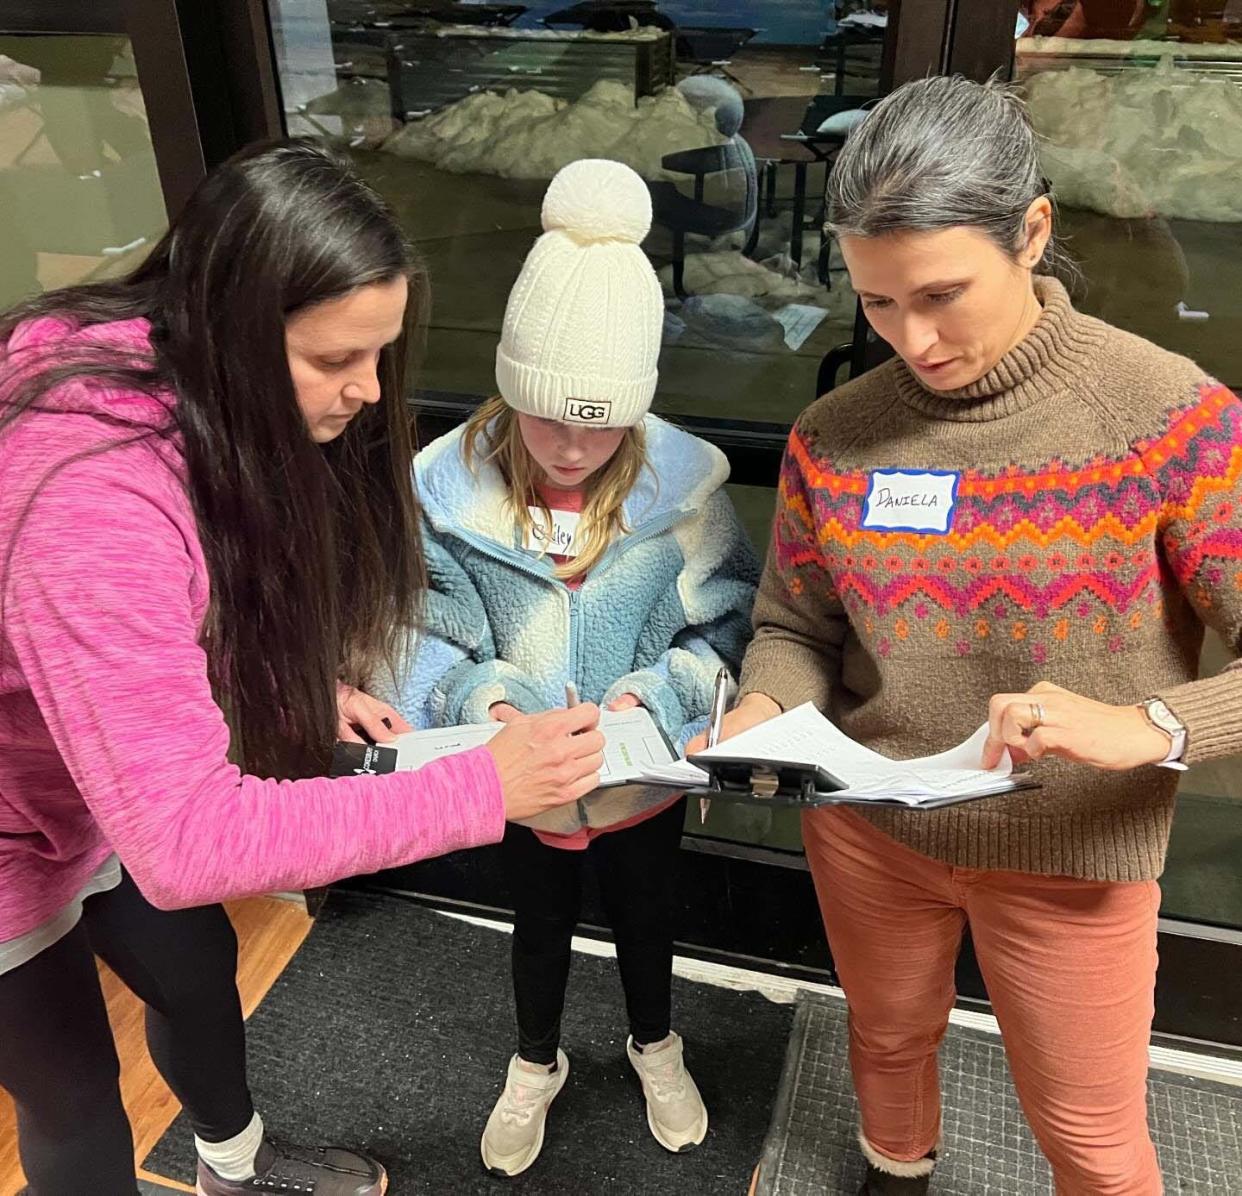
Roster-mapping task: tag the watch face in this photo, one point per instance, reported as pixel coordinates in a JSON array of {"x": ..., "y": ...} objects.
[{"x": 1163, "y": 717}]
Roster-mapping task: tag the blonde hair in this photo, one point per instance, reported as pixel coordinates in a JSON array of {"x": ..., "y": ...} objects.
[{"x": 494, "y": 437}]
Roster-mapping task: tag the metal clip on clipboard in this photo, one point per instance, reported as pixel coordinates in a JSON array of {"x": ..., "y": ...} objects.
[
  {"x": 754, "y": 780},
  {"x": 805, "y": 786},
  {"x": 778, "y": 782},
  {"x": 764, "y": 782}
]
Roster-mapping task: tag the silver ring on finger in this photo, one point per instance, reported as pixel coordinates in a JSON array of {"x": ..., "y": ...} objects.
[{"x": 1037, "y": 717}]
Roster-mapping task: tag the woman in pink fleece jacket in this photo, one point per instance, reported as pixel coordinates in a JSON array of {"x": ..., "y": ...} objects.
[{"x": 207, "y": 534}]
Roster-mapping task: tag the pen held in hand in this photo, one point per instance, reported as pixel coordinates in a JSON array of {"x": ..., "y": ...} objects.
[
  {"x": 571, "y": 695},
  {"x": 715, "y": 723},
  {"x": 720, "y": 701}
]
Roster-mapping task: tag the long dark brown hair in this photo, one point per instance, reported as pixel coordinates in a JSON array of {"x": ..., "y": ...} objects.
[{"x": 313, "y": 551}]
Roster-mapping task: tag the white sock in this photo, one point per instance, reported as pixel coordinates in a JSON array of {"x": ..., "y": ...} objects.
[{"x": 233, "y": 1158}]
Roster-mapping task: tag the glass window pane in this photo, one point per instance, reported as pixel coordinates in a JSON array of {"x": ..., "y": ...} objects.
[
  {"x": 1202, "y": 882},
  {"x": 80, "y": 196},
  {"x": 1140, "y": 105},
  {"x": 729, "y": 110}
]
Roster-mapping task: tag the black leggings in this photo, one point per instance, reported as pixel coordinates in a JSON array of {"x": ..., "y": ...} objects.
[
  {"x": 637, "y": 870},
  {"x": 59, "y": 1062}
]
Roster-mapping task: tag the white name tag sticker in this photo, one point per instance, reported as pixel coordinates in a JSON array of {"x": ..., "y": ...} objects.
[
  {"x": 903, "y": 500},
  {"x": 561, "y": 539}
]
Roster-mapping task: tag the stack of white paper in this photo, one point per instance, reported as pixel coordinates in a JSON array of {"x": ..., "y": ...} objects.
[
  {"x": 633, "y": 745},
  {"x": 804, "y": 736}
]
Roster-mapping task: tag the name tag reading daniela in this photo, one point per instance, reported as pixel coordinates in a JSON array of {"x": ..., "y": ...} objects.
[
  {"x": 560, "y": 539},
  {"x": 902, "y": 500}
]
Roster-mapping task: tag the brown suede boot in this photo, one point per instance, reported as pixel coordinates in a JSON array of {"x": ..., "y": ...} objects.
[{"x": 890, "y": 1177}]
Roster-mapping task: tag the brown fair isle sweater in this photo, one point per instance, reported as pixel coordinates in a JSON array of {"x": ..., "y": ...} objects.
[{"x": 1094, "y": 527}]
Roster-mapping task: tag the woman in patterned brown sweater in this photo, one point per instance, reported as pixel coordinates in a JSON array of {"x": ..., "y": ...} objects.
[{"x": 1027, "y": 516}]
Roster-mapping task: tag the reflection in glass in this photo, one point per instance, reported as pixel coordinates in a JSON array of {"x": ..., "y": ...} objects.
[
  {"x": 80, "y": 197},
  {"x": 461, "y": 113},
  {"x": 1140, "y": 105}
]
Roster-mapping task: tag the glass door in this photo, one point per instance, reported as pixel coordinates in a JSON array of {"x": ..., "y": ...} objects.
[
  {"x": 80, "y": 194},
  {"x": 460, "y": 113},
  {"x": 733, "y": 111}
]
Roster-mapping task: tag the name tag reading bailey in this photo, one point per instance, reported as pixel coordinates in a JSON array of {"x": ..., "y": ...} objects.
[
  {"x": 903, "y": 500},
  {"x": 560, "y": 540}
]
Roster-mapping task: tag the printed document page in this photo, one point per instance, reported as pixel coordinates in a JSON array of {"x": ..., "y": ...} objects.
[{"x": 633, "y": 745}]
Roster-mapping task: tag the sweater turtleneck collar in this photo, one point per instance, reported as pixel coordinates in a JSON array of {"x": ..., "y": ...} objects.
[{"x": 1056, "y": 349}]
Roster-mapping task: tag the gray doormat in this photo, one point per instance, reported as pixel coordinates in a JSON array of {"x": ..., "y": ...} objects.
[
  {"x": 391, "y": 1029},
  {"x": 811, "y": 1148}
]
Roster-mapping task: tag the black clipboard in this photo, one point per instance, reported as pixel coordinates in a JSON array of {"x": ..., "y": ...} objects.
[{"x": 806, "y": 786}]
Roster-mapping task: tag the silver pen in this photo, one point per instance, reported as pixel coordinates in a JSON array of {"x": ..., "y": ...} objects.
[{"x": 715, "y": 724}]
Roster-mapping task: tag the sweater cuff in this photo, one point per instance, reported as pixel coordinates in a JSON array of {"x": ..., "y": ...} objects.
[
  {"x": 477, "y": 707},
  {"x": 786, "y": 676},
  {"x": 1211, "y": 711}
]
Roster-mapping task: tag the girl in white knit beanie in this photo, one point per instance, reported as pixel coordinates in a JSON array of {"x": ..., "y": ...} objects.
[{"x": 573, "y": 538}]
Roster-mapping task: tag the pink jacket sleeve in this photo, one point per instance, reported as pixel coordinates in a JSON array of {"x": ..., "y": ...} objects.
[{"x": 100, "y": 613}]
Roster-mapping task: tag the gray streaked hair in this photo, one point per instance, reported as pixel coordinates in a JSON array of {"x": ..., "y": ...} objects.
[{"x": 941, "y": 152}]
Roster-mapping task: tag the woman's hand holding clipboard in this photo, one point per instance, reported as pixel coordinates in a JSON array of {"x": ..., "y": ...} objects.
[{"x": 723, "y": 723}]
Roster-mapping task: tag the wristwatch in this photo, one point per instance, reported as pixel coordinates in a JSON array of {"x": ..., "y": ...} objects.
[{"x": 1163, "y": 719}]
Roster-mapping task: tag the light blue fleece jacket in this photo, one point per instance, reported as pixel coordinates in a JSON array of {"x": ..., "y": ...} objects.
[{"x": 657, "y": 617}]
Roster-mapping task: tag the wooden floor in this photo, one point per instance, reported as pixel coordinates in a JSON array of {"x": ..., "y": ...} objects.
[{"x": 269, "y": 931}]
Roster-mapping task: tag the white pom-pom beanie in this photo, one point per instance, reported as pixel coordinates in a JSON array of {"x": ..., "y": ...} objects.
[{"x": 581, "y": 336}]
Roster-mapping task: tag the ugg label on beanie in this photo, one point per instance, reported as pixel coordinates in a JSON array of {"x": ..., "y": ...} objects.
[{"x": 588, "y": 411}]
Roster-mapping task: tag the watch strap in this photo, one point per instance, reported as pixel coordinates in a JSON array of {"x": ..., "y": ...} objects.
[{"x": 1177, "y": 749}]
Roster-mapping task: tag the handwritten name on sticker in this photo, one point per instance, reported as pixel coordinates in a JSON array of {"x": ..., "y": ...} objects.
[
  {"x": 906, "y": 500},
  {"x": 560, "y": 538}
]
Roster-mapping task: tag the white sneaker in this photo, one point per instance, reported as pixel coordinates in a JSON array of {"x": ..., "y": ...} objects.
[
  {"x": 513, "y": 1136},
  {"x": 675, "y": 1110}
]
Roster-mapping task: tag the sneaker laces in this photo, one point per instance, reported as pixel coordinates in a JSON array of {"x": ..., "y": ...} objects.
[
  {"x": 668, "y": 1080},
  {"x": 519, "y": 1105}
]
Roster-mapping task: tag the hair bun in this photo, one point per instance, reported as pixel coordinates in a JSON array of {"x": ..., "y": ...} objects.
[{"x": 597, "y": 200}]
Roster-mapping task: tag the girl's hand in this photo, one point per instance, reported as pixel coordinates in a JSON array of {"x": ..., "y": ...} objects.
[
  {"x": 502, "y": 712},
  {"x": 752, "y": 710},
  {"x": 356, "y": 709},
  {"x": 624, "y": 702},
  {"x": 1073, "y": 727}
]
